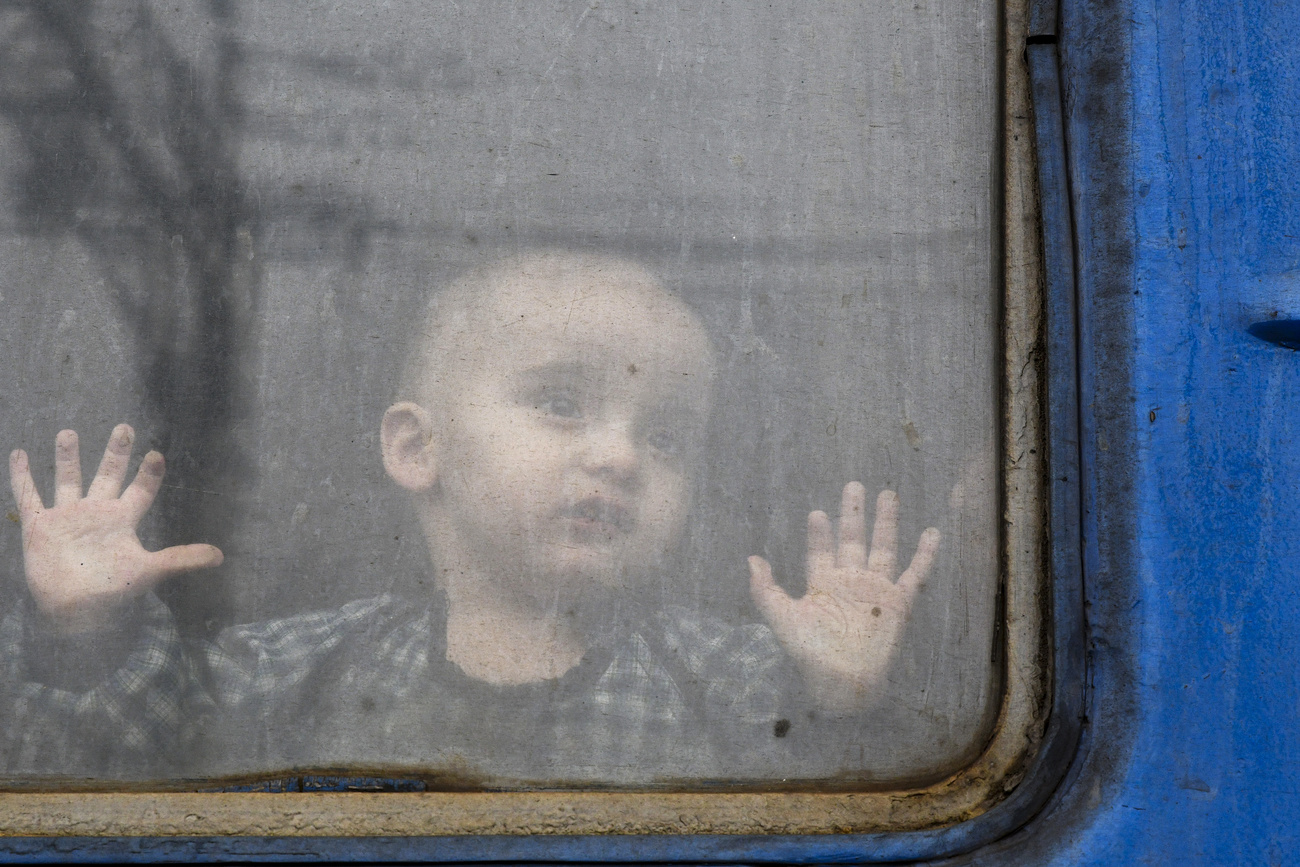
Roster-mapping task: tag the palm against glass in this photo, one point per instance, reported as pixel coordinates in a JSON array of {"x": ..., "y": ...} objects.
[
  {"x": 844, "y": 630},
  {"x": 82, "y": 556}
]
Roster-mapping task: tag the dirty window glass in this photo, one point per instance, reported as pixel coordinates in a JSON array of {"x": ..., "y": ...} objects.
[{"x": 560, "y": 394}]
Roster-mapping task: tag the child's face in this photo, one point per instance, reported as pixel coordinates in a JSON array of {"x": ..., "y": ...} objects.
[{"x": 570, "y": 422}]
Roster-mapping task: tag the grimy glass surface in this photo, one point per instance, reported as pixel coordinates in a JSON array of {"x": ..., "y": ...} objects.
[{"x": 503, "y": 350}]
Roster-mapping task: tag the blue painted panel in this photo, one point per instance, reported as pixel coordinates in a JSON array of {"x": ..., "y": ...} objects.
[{"x": 1184, "y": 145}]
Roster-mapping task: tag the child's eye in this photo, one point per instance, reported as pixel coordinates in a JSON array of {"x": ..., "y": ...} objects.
[
  {"x": 664, "y": 440},
  {"x": 560, "y": 405}
]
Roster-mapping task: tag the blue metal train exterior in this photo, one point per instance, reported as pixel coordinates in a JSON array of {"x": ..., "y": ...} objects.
[{"x": 1182, "y": 141}]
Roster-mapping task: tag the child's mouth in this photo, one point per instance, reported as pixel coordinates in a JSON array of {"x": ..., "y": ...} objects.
[{"x": 599, "y": 515}]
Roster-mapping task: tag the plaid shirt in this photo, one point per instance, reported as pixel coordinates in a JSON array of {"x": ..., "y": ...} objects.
[{"x": 678, "y": 696}]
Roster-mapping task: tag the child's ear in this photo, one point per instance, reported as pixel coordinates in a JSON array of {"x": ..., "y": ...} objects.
[{"x": 406, "y": 438}]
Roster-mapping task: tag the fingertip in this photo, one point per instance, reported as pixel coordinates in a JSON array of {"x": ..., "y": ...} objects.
[
  {"x": 123, "y": 435},
  {"x": 958, "y": 495},
  {"x": 853, "y": 500},
  {"x": 923, "y": 561},
  {"x": 186, "y": 558},
  {"x": 66, "y": 439},
  {"x": 17, "y": 459},
  {"x": 761, "y": 582},
  {"x": 154, "y": 462},
  {"x": 886, "y": 516}
]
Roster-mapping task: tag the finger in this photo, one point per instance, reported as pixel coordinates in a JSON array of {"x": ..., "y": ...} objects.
[
  {"x": 24, "y": 488},
  {"x": 884, "y": 536},
  {"x": 183, "y": 558},
  {"x": 67, "y": 468},
  {"x": 853, "y": 526},
  {"x": 821, "y": 548},
  {"x": 139, "y": 495},
  {"x": 107, "y": 483},
  {"x": 773, "y": 602},
  {"x": 957, "y": 497},
  {"x": 922, "y": 562},
  {"x": 971, "y": 482}
]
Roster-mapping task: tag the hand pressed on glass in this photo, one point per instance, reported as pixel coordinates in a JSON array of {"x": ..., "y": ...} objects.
[
  {"x": 843, "y": 631},
  {"x": 82, "y": 556}
]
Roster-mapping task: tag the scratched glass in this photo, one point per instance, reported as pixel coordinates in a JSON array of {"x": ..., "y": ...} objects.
[{"x": 503, "y": 350}]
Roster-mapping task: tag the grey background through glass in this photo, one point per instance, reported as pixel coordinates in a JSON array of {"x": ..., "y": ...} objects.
[{"x": 816, "y": 180}]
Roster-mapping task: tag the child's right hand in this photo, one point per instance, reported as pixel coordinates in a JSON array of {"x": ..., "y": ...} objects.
[{"x": 83, "y": 559}]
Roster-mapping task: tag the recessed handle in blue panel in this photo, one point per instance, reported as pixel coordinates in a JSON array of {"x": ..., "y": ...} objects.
[{"x": 1283, "y": 332}]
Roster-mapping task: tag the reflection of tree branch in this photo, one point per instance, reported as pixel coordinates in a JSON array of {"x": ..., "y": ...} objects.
[
  {"x": 97, "y": 98},
  {"x": 149, "y": 182}
]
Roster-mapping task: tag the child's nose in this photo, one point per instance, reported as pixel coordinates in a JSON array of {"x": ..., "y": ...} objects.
[{"x": 611, "y": 450}]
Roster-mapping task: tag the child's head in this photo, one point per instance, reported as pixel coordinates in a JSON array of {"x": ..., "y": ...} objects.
[{"x": 550, "y": 413}]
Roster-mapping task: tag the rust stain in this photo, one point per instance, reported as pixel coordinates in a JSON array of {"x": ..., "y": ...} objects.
[{"x": 913, "y": 435}]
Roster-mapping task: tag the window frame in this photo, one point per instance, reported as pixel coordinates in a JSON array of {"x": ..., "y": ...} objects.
[{"x": 1039, "y": 640}]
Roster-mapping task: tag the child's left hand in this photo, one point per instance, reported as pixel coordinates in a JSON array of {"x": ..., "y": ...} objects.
[{"x": 844, "y": 630}]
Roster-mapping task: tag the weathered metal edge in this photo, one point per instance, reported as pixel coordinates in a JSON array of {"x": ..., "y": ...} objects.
[{"x": 1015, "y": 748}]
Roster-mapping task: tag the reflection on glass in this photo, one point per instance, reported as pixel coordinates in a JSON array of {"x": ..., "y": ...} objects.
[{"x": 557, "y": 395}]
